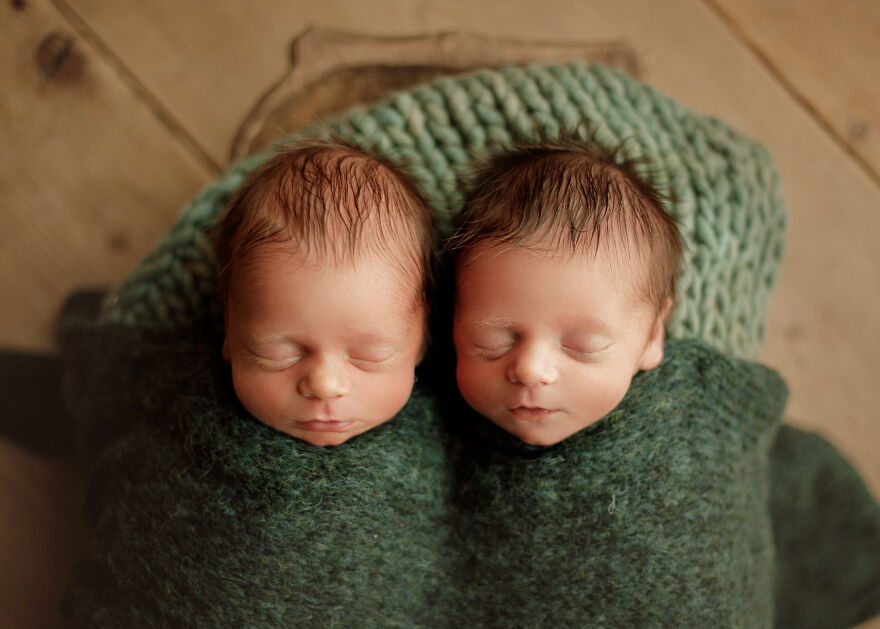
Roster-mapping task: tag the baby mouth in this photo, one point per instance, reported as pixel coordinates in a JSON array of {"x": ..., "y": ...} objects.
[
  {"x": 530, "y": 413},
  {"x": 325, "y": 425}
]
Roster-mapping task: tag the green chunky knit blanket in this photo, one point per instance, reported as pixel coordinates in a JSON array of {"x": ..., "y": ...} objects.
[{"x": 723, "y": 188}]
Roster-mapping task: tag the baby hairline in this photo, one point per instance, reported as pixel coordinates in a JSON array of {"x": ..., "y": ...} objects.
[
  {"x": 404, "y": 261},
  {"x": 653, "y": 289},
  {"x": 331, "y": 200},
  {"x": 573, "y": 196}
]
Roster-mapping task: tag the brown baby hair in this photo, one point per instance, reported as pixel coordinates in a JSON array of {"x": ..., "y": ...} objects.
[
  {"x": 332, "y": 201},
  {"x": 576, "y": 196}
]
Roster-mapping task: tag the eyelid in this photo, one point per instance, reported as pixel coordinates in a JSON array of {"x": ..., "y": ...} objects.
[
  {"x": 576, "y": 352},
  {"x": 374, "y": 358},
  {"x": 377, "y": 353},
  {"x": 371, "y": 361},
  {"x": 273, "y": 364},
  {"x": 371, "y": 365},
  {"x": 492, "y": 353}
]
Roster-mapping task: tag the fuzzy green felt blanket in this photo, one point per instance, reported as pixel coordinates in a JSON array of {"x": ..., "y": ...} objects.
[
  {"x": 204, "y": 517},
  {"x": 654, "y": 516},
  {"x": 826, "y": 529}
]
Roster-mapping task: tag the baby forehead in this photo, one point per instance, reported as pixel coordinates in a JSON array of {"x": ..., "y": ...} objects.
[
  {"x": 272, "y": 266},
  {"x": 550, "y": 255},
  {"x": 283, "y": 257},
  {"x": 487, "y": 273}
]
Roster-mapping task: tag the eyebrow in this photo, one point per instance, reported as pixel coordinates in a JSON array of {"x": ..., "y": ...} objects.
[
  {"x": 270, "y": 339},
  {"x": 368, "y": 338},
  {"x": 496, "y": 322},
  {"x": 588, "y": 324}
]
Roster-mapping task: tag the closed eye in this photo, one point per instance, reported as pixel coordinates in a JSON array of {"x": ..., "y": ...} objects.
[
  {"x": 372, "y": 366},
  {"x": 585, "y": 354},
  {"x": 373, "y": 359},
  {"x": 273, "y": 364},
  {"x": 492, "y": 353}
]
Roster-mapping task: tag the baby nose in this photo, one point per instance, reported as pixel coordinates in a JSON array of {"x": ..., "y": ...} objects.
[
  {"x": 532, "y": 366},
  {"x": 323, "y": 381}
]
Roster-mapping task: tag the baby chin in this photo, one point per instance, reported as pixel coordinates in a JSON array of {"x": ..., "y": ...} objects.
[
  {"x": 535, "y": 425},
  {"x": 327, "y": 432}
]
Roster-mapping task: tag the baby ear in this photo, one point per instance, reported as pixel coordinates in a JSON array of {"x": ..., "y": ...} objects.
[{"x": 653, "y": 354}]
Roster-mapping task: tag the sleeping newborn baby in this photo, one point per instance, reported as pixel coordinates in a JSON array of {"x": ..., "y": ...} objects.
[
  {"x": 215, "y": 503},
  {"x": 565, "y": 272},
  {"x": 325, "y": 257},
  {"x": 622, "y": 480}
]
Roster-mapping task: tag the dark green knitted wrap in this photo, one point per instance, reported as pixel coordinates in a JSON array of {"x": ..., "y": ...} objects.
[
  {"x": 654, "y": 516},
  {"x": 204, "y": 517},
  {"x": 826, "y": 528}
]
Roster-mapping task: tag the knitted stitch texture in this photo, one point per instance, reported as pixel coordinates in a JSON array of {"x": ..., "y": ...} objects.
[
  {"x": 826, "y": 529},
  {"x": 655, "y": 516},
  {"x": 724, "y": 189},
  {"x": 204, "y": 517}
]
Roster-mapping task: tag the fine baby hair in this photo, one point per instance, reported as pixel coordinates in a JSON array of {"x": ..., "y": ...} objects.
[
  {"x": 575, "y": 196},
  {"x": 325, "y": 267},
  {"x": 332, "y": 200},
  {"x": 565, "y": 268}
]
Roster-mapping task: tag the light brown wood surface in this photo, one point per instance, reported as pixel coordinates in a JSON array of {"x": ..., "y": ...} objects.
[
  {"x": 40, "y": 536},
  {"x": 89, "y": 176},
  {"x": 97, "y": 158},
  {"x": 828, "y": 53},
  {"x": 331, "y": 71}
]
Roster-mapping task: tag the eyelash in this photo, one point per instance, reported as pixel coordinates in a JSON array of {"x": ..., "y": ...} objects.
[
  {"x": 578, "y": 354},
  {"x": 281, "y": 365},
  {"x": 494, "y": 353},
  {"x": 274, "y": 365},
  {"x": 368, "y": 365}
]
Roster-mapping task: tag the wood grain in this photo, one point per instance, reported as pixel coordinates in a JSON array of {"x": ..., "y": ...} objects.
[
  {"x": 89, "y": 177},
  {"x": 827, "y": 53},
  {"x": 41, "y": 535},
  {"x": 331, "y": 71}
]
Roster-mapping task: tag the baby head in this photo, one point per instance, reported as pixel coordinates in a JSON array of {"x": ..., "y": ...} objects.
[
  {"x": 565, "y": 273},
  {"x": 325, "y": 255}
]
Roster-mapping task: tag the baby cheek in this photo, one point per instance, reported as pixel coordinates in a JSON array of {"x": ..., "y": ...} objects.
[
  {"x": 476, "y": 382},
  {"x": 395, "y": 394},
  {"x": 259, "y": 394},
  {"x": 603, "y": 396}
]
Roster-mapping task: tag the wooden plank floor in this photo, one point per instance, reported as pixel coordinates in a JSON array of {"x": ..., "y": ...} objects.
[{"x": 112, "y": 114}]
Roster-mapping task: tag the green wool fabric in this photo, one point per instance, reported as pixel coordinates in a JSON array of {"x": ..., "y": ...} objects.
[
  {"x": 826, "y": 528},
  {"x": 654, "y": 516},
  {"x": 204, "y": 517},
  {"x": 723, "y": 188}
]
